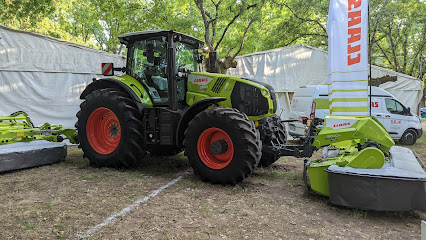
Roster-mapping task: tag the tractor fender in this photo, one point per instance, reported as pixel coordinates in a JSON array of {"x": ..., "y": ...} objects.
[
  {"x": 191, "y": 112},
  {"x": 112, "y": 83}
]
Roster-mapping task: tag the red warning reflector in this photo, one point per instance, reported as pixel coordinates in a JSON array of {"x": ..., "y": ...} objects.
[{"x": 107, "y": 69}]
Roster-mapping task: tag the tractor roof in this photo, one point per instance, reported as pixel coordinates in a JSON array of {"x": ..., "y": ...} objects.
[{"x": 142, "y": 35}]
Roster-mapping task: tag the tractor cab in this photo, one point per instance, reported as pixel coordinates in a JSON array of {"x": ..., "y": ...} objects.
[{"x": 161, "y": 61}]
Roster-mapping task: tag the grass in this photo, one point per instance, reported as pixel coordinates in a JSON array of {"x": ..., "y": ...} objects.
[
  {"x": 359, "y": 213},
  {"x": 59, "y": 226},
  {"x": 153, "y": 166},
  {"x": 420, "y": 145},
  {"x": 266, "y": 174},
  {"x": 30, "y": 225}
]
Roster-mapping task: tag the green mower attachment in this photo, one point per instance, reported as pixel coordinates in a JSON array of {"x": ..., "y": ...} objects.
[
  {"x": 18, "y": 128},
  {"x": 23, "y": 146},
  {"x": 357, "y": 142},
  {"x": 361, "y": 167}
]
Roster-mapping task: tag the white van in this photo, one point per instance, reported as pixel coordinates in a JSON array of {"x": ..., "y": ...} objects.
[{"x": 399, "y": 121}]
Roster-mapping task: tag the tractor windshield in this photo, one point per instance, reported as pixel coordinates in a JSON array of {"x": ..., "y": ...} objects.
[
  {"x": 186, "y": 57},
  {"x": 148, "y": 63}
]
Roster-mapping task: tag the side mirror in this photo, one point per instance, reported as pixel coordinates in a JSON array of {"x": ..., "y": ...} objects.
[{"x": 408, "y": 111}]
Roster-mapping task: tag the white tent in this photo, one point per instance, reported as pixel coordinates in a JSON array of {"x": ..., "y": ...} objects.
[
  {"x": 290, "y": 67},
  {"x": 45, "y": 76}
]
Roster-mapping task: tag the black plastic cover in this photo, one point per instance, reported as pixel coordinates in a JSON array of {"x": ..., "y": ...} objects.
[
  {"x": 378, "y": 193},
  {"x": 30, "y": 154},
  {"x": 249, "y": 99},
  {"x": 271, "y": 92}
]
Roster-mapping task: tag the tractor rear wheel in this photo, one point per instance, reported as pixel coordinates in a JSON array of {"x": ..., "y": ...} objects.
[
  {"x": 222, "y": 146},
  {"x": 109, "y": 129}
]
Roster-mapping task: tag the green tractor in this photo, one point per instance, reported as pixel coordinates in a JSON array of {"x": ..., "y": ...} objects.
[{"x": 164, "y": 104}]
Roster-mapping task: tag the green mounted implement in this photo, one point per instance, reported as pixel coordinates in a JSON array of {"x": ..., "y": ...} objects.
[
  {"x": 362, "y": 168},
  {"x": 18, "y": 127},
  {"x": 22, "y": 145}
]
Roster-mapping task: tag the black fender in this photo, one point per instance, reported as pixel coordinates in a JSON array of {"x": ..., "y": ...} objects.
[
  {"x": 112, "y": 83},
  {"x": 191, "y": 112}
]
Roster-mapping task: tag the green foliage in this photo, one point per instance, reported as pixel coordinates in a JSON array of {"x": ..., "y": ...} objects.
[
  {"x": 232, "y": 27},
  {"x": 398, "y": 34}
]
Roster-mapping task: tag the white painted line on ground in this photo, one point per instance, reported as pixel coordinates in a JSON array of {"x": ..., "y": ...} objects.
[
  {"x": 423, "y": 230},
  {"x": 126, "y": 210}
]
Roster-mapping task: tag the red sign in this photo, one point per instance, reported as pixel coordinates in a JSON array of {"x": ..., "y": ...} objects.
[
  {"x": 395, "y": 121},
  {"x": 107, "y": 69}
]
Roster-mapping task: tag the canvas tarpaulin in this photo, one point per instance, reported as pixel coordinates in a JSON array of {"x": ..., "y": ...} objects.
[
  {"x": 288, "y": 68},
  {"x": 285, "y": 69},
  {"x": 44, "y": 76}
]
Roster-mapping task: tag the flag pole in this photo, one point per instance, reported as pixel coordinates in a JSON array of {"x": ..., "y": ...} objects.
[{"x": 369, "y": 55}]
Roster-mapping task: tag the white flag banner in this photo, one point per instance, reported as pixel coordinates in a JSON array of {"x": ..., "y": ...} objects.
[{"x": 347, "y": 30}]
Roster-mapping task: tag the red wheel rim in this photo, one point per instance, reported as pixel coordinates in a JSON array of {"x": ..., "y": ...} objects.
[
  {"x": 221, "y": 157},
  {"x": 103, "y": 131}
]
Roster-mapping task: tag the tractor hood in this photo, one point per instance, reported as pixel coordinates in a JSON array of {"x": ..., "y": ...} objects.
[{"x": 254, "y": 98}]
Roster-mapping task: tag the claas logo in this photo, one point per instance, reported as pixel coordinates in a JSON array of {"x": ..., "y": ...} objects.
[
  {"x": 341, "y": 125},
  {"x": 201, "y": 80}
]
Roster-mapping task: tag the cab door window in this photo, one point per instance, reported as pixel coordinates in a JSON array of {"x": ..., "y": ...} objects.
[
  {"x": 394, "y": 107},
  {"x": 148, "y": 64},
  {"x": 186, "y": 62}
]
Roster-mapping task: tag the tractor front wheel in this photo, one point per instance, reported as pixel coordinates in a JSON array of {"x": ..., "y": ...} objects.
[
  {"x": 222, "y": 146},
  {"x": 109, "y": 129}
]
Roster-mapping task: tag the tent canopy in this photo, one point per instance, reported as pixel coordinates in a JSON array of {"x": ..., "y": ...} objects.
[
  {"x": 291, "y": 67},
  {"x": 45, "y": 76}
]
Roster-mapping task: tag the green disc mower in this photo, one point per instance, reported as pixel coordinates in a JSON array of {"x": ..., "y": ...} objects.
[
  {"x": 362, "y": 168},
  {"x": 22, "y": 145}
]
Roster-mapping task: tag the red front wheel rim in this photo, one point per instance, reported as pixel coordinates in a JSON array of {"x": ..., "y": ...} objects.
[
  {"x": 215, "y": 148},
  {"x": 103, "y": 131}
]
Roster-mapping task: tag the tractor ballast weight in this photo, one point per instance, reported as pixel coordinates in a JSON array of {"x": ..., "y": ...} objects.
[{"x": 163, "y": 104}]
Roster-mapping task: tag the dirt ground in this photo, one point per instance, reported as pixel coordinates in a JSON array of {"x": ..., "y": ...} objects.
[{"x": 65, "y": 200}]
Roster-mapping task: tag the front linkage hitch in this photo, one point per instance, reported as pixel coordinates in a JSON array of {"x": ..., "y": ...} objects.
[{"x": 303, "y": 150}]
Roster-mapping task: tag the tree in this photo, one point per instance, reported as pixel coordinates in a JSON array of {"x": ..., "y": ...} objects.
[
  {"x": 218, "y": 19},
  {"x": 398, "y": 35},
  {"x": 230, "y": 28},
  {"x": 24, "y": 14}
]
